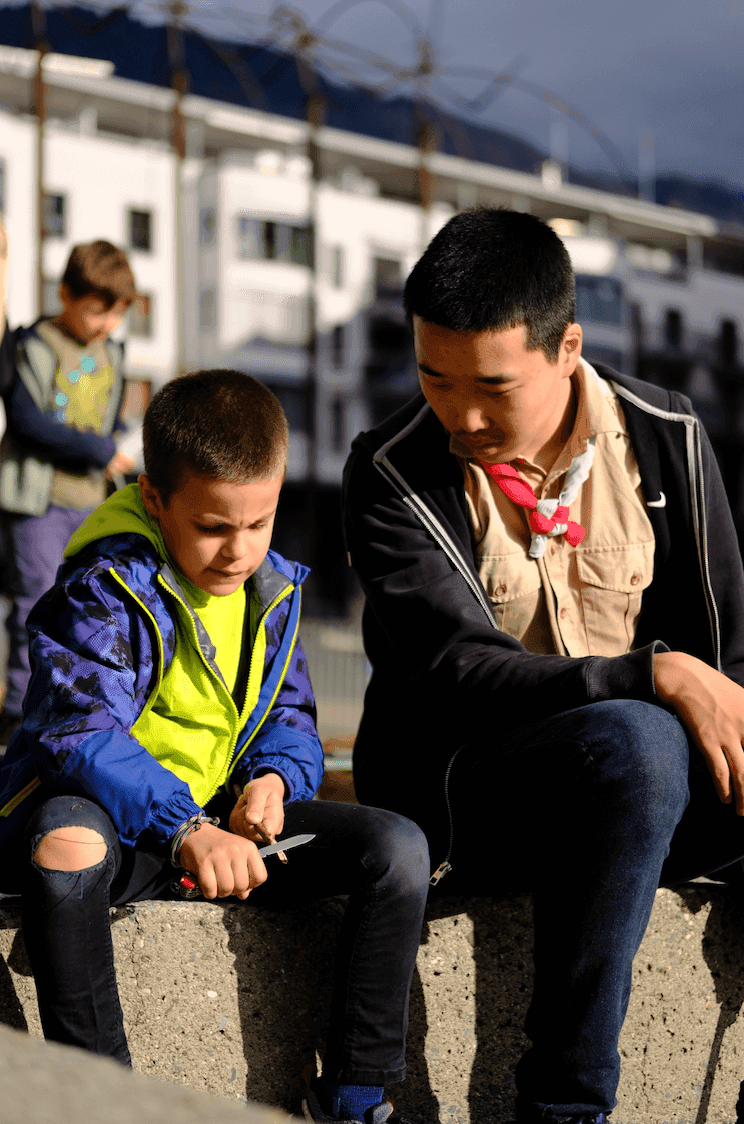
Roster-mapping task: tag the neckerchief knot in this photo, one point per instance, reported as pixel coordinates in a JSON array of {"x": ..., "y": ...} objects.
[{"x": 547, "y": 518}]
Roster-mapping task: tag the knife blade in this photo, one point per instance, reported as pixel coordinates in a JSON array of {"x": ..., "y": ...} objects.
[{"x": 284, "y": 845}]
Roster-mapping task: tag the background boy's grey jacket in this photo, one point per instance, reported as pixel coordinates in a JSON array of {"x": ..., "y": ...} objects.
[
  {"x": 34, "y": 444},
  {"x": 441, "y": 666}
]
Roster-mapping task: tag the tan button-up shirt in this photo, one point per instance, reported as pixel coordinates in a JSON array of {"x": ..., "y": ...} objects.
[{"x": 575, "y": 601}]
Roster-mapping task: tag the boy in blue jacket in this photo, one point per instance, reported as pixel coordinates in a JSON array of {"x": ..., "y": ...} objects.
[{"x": 170, "y": 722}]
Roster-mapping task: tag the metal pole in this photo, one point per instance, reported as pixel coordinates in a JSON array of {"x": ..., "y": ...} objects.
[
  {"x": 315, "y": 119},
  {"x": 180, "y": 85},
  {"x": 38, "y": 25},
  {"x": 427, "y": 143}
]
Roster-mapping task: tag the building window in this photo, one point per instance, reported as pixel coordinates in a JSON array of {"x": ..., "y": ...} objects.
[
  {"x": 261, "y": 240},
  {"x": 337, "y": 267},
  {"x": 337, "y": 425},
  {"x": 140, "y": 230},
  {"x": 599, "y": 300},
  {"x": 294, "y": 402},
  {"x": 207, "y": 226},
  {"x": 301, "y": 245},
  {"x": 673, "y": 329},
  {"x": 728, "y": 342},
  {"x": 207, "y": 310},
  {"x": 249, "y": 237},
  {"x": 55, "y": 216},
  {"x": 388, "y": 277},
  {"x": 338, "y": 346},
  {"x": 141, "y": 317}
]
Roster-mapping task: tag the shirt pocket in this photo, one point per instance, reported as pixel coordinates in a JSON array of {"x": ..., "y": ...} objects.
[
  {"x": 513, "y": 585},
  {"x": 611, "y": 583}
]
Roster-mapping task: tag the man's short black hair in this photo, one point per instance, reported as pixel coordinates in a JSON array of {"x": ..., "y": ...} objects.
[
  {"x": 490, "y": 269},
  {"x": 221, "y": 424}
]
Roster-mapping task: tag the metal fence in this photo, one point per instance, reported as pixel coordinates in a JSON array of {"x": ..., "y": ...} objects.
[{"x": 339, "y": 673}]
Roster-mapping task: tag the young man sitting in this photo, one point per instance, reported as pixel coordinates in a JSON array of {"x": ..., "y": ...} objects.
[{"x": 555, "y": 618}]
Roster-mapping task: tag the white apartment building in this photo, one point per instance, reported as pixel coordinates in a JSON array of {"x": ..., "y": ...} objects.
[{"x": 223, "y": 244}]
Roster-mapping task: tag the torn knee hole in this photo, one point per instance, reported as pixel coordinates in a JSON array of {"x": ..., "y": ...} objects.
[{"x": 70, "y": 848}]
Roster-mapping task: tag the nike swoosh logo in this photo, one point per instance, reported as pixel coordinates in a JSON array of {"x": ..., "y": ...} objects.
[{"x": 661, "y": 502}]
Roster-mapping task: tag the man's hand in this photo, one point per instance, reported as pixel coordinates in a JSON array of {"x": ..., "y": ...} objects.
[
  {"x": 224, "y": 863},
  {"x": 262, "y": 802},
  {"x": 711, "y": 706},
  {"x": 119, "y": 465}
]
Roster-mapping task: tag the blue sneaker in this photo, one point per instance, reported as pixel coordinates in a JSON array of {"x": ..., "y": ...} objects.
[{"x": 312, "y": 1111}]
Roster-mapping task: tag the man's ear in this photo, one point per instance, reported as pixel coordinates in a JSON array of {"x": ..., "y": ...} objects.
[
  {"x": 150, "y": 496},
  {"x": 571, "y": 347}
]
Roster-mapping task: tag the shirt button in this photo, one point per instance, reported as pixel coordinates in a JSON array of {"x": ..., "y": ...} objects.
[
  {"x": 563, "y": 614},
  {"x": 635, "y": 579},
  {"x": 500, "y": 590}
]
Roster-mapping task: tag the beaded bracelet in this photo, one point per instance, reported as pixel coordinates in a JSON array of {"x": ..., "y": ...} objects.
[{"x": 182, "y": 832}]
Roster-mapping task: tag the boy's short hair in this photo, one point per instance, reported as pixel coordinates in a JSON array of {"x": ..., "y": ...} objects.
[
  {"x": 221, "y": 424},
  {"x": 491, "y": 269},
  {"x": 99, "y": 269}
]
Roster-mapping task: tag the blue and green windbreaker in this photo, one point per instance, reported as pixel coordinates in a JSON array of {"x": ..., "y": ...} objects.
[{"x": 109, "y": 642}]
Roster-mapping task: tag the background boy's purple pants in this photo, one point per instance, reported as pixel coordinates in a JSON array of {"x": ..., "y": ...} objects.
[{"x": 34, "y": 545}]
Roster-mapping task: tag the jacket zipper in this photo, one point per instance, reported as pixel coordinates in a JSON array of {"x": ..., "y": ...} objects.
[
  {"x": 277, "y": 600},
  {"x": 419, "y": 510},
  {"x": 693, "y": 450},
  {"x": 430, "y": 523},
  {"x": 230, "y": 765},
  {"x": 446, "y": 866}
]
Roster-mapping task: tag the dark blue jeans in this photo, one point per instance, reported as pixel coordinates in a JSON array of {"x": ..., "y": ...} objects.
[
  {"x": 583, "y": 808},
  {"x": 377, "y": 859},
  {"x": 34, "y": 545}
]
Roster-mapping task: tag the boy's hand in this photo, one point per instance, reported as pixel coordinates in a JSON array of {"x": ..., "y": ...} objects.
[
  {"x": 711, "y": 706},
  {"x": 262, "y": 801},
  {"x": 224, "y": 863}
]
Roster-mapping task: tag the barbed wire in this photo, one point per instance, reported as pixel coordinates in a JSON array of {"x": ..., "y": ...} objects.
[{"x": 433, "y": 84}]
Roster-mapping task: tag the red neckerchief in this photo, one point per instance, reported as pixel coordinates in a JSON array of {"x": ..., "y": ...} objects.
[{"x": 520, "y": 492}]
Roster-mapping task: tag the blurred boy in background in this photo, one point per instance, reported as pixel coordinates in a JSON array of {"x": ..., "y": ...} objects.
[{"x": 58, "y": 452}]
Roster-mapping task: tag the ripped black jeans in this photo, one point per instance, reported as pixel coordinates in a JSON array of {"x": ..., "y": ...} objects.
[{"x": 379, "y": 860}]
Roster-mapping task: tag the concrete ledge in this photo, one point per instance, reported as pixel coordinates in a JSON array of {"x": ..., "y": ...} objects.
[
  {"x": 233, "y": 1001},
  {"x": 43, "y": 1083}
]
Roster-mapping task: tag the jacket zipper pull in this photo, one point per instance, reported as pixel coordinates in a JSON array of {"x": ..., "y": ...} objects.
[{"x": 439, "y": 873}]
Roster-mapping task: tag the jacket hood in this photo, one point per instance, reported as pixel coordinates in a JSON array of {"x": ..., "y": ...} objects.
[{"x": 123, "y": 513}]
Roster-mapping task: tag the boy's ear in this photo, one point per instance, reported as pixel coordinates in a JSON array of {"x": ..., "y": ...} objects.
[
  {"x": 65, "y": 296},
  {"x": 150, "y": 496}
]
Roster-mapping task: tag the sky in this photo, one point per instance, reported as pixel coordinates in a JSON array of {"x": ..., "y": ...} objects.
[{"x": 671, "y": 68}]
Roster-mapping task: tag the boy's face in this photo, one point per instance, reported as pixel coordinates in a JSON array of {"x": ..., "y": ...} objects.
[
  {"x": 89, "y": 318},
  {"x": 217, "y": 533},
  {"x": 499, "y": 399}
]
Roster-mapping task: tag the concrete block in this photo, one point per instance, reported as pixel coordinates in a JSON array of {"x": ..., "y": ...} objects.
[
  {"x": 43, "y": 1083},
  {"x": 233, "y": 1000}
]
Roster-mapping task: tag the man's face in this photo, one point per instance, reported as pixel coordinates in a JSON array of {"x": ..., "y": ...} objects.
[
  {"x": 501, "y": 400},
  {"x": 217, "y": 533},
  {"x": 89, "y": 318}
]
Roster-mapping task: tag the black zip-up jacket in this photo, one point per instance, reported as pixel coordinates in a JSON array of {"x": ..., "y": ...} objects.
[{"x": 443, "y": 673}]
